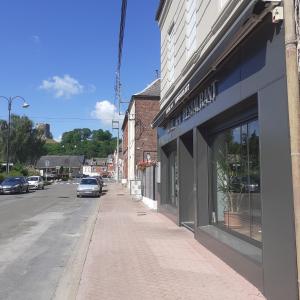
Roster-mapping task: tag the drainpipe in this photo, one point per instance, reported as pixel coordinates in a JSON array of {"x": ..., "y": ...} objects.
[{"x": 294, "y": 114}]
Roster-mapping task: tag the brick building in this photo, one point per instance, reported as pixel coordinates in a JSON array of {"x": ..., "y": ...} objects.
[{"x": 139, "y": 139}]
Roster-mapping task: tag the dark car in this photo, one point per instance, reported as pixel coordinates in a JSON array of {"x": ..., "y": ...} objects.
[{"x": 15, "y": 185}]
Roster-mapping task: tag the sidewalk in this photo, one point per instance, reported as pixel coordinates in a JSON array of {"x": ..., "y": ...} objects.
[{"x": 136, "y": 253}]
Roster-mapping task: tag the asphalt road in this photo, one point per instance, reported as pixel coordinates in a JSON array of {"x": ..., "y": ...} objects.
[{"x": 38, "y": 232}]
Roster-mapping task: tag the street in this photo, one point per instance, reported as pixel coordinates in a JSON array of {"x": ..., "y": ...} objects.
[{"x": 38, "y": 232}]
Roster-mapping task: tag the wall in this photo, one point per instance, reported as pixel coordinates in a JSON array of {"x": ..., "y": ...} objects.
[
  {"x": 131, "y": 142},
  {"x": 145, "y": 136},
  {"x": 212, "y": 16},
  {"x": 125, "y": 151},
  {"x": 255, "y": 70}
]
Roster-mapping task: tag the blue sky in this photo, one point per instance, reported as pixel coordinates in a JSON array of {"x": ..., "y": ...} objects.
[{"x": 61, "y": 56}]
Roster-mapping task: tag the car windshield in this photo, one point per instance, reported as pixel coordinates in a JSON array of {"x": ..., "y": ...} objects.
[
  {"x": 91, "y": 181},
  {"x": 11, "y": 181},
  {"x": 33, "y": 178}
]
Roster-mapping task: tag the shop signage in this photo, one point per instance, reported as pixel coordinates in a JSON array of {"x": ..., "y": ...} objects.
[
  {"x": 204, "y": 98},
  {"x": 178, "y": 97},
  {"x": 196, "y": 104}
]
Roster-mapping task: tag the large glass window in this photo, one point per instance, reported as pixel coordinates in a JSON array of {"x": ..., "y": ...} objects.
[{"x": 236, "y": 180}]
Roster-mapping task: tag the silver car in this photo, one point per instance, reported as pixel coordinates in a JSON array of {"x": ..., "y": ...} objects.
[
  {"x": 36, "y": 182},
  {"x": 88, "y": 187}
]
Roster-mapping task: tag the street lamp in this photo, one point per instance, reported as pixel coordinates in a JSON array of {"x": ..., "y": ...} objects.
[{"x": 9, "y": 102}]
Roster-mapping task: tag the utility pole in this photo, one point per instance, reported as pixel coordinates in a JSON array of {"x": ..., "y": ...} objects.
[
  {"x": 294, "y": 114},
  {"x": 115, "y": 125}
]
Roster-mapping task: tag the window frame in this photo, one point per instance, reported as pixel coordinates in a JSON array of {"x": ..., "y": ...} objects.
[{"x": 212, "y": 204}]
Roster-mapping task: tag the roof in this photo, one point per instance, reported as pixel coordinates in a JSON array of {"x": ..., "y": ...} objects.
[
  {"x": 66, "y": 161},
  {"x": 151, "y": 90}
]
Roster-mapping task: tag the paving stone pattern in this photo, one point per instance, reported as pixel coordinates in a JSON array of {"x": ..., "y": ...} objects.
[{"x": 136, "y": 253}]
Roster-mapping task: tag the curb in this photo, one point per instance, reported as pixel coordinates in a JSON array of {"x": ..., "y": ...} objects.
[{"x": 69, "y": 283}]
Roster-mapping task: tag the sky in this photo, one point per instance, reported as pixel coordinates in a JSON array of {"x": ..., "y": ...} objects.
[{"x": 61, "y": 56}]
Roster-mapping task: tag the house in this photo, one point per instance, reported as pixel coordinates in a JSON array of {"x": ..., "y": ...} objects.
[
  {"x": 139, "y": 138},
  {"x": 223, "y": 136},
  {"x": 55, "y": 166},
  {"x": 95, "y": 166}
]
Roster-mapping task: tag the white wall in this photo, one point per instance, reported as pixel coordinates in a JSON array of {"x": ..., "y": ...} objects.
[
  {"x": 131, "y": 143},
  {"x": 211, "y": 17}
]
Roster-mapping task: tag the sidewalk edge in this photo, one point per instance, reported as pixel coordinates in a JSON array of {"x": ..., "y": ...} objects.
[{"x": 68, "y": 285}]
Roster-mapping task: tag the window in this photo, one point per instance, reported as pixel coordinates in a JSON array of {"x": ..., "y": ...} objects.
[
  {"x": 190, "y": 27},
  {"x": 171, "y": 55},
  {"x": 236, "y": 180}
]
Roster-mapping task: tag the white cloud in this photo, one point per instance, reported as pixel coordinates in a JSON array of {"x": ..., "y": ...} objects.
[
  {"x": 62, "y": 87},
  {"x": 105, "y": 111}
]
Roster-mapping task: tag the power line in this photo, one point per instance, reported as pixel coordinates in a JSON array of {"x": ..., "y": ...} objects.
[
  {"x": 64, "y": 118},
  {"x": 120, "y": 52}
]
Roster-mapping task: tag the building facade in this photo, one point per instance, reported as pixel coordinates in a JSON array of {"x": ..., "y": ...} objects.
[
  {"x": 139, "y": 138},
  {"x": 223, "y": 136},
  {"x": 58, "y": 166}
]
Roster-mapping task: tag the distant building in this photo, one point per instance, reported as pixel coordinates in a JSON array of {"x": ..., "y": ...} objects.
[
  {"x": 44, "y": 128},
  {"x": 139, "y": 138},
  {"x": 96, "y": 166},
  {"x": 58, "y": 165}
]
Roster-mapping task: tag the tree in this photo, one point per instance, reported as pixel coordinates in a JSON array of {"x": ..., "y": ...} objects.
[
  {"x": 26, "y": 143},
  {"x": 83, "y": 141}
]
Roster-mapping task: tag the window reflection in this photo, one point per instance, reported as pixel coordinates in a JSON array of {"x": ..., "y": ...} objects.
[{"x": 236, "y": 180}]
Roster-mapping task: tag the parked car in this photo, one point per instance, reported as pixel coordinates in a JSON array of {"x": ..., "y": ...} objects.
[
  {"x": 15, "y": 185},
  {"x": 36, "y": 182},
  {"x": 100, "y": 181},
  {"x": 88, "y": 187}
]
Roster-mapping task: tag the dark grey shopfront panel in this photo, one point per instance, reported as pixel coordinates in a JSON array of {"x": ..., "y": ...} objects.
[
  {"x": 279, "y": 262},
  {"x": 186, "y": 180},
  {"x": 257, "y": 68}
]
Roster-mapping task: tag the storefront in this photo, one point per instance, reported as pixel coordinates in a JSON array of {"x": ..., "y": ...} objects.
[{"x": 225, "y": 162}]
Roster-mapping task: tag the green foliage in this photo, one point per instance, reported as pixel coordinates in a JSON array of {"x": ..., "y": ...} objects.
[
  {"x": 26, "y": 143},
  {"x": 96, "y": 143}
]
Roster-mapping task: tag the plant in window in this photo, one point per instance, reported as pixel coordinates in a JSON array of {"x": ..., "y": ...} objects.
[{"x": 230, "y": 187}]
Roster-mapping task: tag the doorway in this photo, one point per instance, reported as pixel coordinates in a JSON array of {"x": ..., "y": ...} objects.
[{"x": 186, "y": 182}]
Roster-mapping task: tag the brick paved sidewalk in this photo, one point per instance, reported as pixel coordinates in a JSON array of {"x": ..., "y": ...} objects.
[{"x": 136, "y": 253}]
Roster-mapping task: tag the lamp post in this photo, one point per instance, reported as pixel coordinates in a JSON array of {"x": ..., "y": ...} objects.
[{"x": 9, "y": 102}]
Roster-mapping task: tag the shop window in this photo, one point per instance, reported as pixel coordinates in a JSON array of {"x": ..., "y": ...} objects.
[{"x": 236, "y": 180}]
